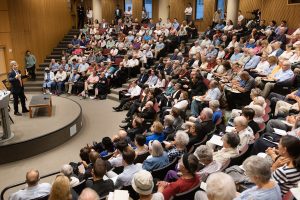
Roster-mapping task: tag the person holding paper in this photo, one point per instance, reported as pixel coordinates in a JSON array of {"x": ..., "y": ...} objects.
[
  {"x": 229, "y": 150},
  {"x": 244, "y": 132}
]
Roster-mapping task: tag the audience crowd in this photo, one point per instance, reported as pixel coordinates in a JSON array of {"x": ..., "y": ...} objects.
[{"x": 219, "y": 107}]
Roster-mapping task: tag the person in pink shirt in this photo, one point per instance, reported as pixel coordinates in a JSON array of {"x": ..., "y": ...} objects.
[{"x": 89, "y": 83}]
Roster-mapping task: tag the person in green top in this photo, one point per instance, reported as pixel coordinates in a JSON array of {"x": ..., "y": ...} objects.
[{"x": 30, "y": 62}]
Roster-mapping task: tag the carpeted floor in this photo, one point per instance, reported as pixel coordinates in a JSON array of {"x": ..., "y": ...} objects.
[{"x": 99, "y": 120}]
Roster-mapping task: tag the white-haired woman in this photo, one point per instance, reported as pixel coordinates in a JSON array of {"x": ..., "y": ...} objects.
[
  {"x": 258, "y": 169},
  {"x": 244, "y": 132},
  {"x": 178, "y": 146},
  {"x": 220, "y": 186},
  {"x": 67, "y": 170},
  {"x": 157, "y": 159}
]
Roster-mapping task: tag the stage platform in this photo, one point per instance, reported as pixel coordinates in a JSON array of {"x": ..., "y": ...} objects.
[{"x": 36, "y": 135}]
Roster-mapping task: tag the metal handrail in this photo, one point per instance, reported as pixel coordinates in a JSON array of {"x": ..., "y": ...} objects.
[{"x": 24, "y": 182}]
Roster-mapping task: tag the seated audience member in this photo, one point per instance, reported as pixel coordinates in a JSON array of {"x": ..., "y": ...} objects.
[
  {"x": 158, "y": 157},
  {"x": 92, "y": 157},
  {"x": 61, "y": 189},
  {"x": 249, "y": 113},
  {"x": 101, "y": 87},
  {"x": 284, "y": 74},
  {"x": 288, "y": 102},
  {"x": 74, "y": 76},
  {"x": 59, "y": 81},
  {"x": 88, "y": 194},
  {"x": 48, "y": 81},
  {"x": 242, "y": 95},
  {"x": 156, "y": 132},
  {"x": 140, "y": 143},
  {"x": 67, "y": 170},
  {"x": 106, "y": 147},
  {"x": 205, "y": 123},
  {"x": 136, "y": 128},
  {"x": 285, "y": 169},
  {"x": 214, "y": 105},
  {"x": 34, "y": 189},
  {"x": 199, "y": 102},
  {"x": 102, "y": 187},
  {"x": 194, "y": 131},
  {"x": 168, "y": 125},
  {"x": 125, "y": 178},
  {"x": 143, "y": 184},
  {"x": 219, "y": 186},
  {"x": 229, "y": 150},
  {"x": 177, "y": 147},
  {"x": 259, "y": 171},
  {"x": 188, "y": 165},
  {"x": 205, "y": 156},
  {"x": 133, "y": 92},
  {"x": 244, "y": 132},
  {"x": 89, "y": 83},
  {"x": 53, "y": 66},
  {"x": 116, "y": 160}
]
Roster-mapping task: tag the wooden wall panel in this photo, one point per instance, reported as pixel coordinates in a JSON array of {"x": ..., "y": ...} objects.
[
  {"x": 281, "y": 11},
  {"x": 177, "y": 9},
  {"x": 37, "y": 26},
  {"x": 273, "y": 10},
  {"x": 155, "y": 7},
  {"x": 137, "y": 6},
  {"x": 108, "y": 8}
]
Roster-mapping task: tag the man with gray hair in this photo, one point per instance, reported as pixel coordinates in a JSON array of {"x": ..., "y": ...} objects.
[
  {"x": 88, "y": 194},
  {"x": 283, "y": 75},
  {"x": 67, "y": 170},
  {"x": 205, "y": 123}
]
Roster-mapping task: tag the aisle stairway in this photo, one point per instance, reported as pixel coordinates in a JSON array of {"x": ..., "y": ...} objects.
[{"x": 36, "y": 86}]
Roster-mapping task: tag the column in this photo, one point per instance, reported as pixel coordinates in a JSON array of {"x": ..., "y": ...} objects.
[
  {"x": 97, "y": 10},
  {"x": 232, "y": 10},
  {"x": 163, "y": 9}
]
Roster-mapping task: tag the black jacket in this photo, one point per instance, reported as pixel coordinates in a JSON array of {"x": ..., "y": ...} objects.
[{"x": 16, "y": 86}]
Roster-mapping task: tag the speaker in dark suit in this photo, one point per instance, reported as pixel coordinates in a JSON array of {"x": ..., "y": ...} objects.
[{"x": 17, "y": 87}]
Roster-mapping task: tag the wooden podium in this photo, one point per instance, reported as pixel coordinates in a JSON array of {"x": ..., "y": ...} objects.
[{"x": 4, "y": 101}]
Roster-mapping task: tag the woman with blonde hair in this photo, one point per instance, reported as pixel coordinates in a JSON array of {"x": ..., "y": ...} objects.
[
  {"x": 61, "y": 189},
  {"x": 156, "y": 132}
]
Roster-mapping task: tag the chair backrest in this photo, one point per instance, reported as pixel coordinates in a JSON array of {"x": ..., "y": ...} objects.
[
  {"x": 6, "y": 84},
  {"x": 225, "y": 165},
  {"x": 78, "y": 188},
  {"x": 41, "y": 198},
  {"x": 239, "y": 159},
  {"x": 118, "y": 170},
  {"x": 160, "y": 173},
  {"x": 132, "y": 193},
  {"x": 188, "y": 194},
  {"x": 141, "y": 158},
  {"x": 203, "y": 141}
]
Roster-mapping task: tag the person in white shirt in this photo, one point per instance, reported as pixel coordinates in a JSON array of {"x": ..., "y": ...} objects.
[
  {"x": 288, "y": 53},
  {"x": 188, "y": 13},
  {"x": 240, "y": 16},
  {"x": 133, "y": 65},
  {"x": 125, "y": 96},
  {"x": 59, "y": 80},
  {"x": 195, "y": 49},
  {"x": 114, "y": 51}
]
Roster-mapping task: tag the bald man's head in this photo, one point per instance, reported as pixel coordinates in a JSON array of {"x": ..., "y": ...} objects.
[
  {"x": 88, "y": 194},
  {"x": 32, "y": 177}
]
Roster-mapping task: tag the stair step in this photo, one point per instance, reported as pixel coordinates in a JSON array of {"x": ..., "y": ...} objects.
[
  {"x": 33, "y": 89},
  {"x": 47, "y": 60},
  {"x": 66, "y": 42},
  {"x": 44, "y": 65},
  {"x": 117, "y": 90},
  {"x": 113, "y": 97},
  {"x": 59, "y": 48},
  {"x": 62, "y": 46},
  {"x": 54, "y": 56},
  {"x": 34, "y": 83}
]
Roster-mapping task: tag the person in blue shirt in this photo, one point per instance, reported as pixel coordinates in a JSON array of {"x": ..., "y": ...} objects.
[
  {"x": 219, "y": 26},
  {"x": 217, "y": 112},
  {"x": 284, "y": 74},
  {"x": 236, "y": 55},
  {"x": 157, "y": 159},
  {"x": 253, "y": 61},
  {"x": 156, "y": 132},
  {"x": 175, "y": 24}
]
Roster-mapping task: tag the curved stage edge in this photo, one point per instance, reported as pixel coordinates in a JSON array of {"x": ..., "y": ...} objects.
[{"x": 19, "y": 150}]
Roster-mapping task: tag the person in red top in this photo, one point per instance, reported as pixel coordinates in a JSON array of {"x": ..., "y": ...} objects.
[{"x": 188, "y": 165}]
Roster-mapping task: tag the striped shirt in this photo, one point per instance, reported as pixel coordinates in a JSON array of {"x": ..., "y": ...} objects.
[{"x": 286, "y": 178}]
